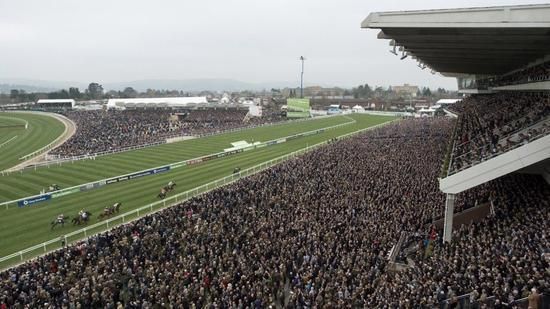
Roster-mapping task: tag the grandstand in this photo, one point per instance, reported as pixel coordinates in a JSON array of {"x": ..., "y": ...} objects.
[
  {"x": 55, "y": 104},
  {"x": 480, "y": 44},
  {"x": 500, "y": 57},
  {"x": 169, "y": 102}
]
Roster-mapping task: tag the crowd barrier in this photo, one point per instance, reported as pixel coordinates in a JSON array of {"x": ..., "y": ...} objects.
[
  {"x": 31, "y": 200},
  {"x": 56, "y": 243}
]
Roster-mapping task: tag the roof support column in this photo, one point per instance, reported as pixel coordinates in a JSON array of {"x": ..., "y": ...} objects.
[{"x": 449, "y": 213}]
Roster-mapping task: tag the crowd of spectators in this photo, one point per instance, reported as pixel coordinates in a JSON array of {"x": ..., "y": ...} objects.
[
  {"x": 496, "y": 261},
  {"x": 537, "y": 73},
  {"x": 492, "y": 124},
  {"x": 315, "y": 230},
  {"x": 100, "y": 131}
]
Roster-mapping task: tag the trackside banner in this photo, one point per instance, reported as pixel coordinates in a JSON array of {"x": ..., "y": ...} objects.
[
  {"x": 138, "y": 175},
  {"x": 34, "y": 200},
  {"x": 65, "y": 192}
]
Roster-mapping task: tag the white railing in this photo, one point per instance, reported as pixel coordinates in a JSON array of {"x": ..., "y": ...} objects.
[
  {"x": 57, "y": 159},
  {"x": 19, "y": 120},
  {"x": 6, "y": 142},
  {"x": 54, "y": 244},
  {"x": 47, "y": 147},
  {"x": 6, "y": 204}
]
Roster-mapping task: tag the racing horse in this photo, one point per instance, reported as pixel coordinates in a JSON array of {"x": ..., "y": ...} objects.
[
  {"x": 79, "y": 219},
  {"x": 110, "y": 210},
  {"x": 170, "y": 186},
  {"x": 53, "y": 187},
  {"x": 162, "y": 193},
  {"x": 59, "y": 220},
  {"x": 164, "y": 190}
]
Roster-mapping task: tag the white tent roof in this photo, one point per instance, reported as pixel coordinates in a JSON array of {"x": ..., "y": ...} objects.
[
  {"x": 447, "y": 101},
  {"x": 171, "y": 102},
  {"x": 54, "y": 100}
]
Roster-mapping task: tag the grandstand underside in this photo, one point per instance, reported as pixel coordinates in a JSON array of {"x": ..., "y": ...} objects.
[{"x": 483, "y": 41}]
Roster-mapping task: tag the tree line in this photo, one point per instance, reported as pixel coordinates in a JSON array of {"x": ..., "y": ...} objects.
[
  {"x": 94, "y": 91},
  {"x": 368, "y": 92}
]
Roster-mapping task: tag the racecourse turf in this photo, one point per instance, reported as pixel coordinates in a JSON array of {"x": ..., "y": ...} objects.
[
  {"x": 24, "y": 227},
  {"x": 16, "y": 141},
  {"x": 30, "y": 182}
]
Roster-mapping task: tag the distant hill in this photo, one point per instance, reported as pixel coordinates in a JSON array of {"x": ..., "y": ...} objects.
[
  {"x": 215, "y": 84},
  {"x": 37, "y": 85},
  {"x": 195, "y": 85},
  {"x": 6, "y": 88}
]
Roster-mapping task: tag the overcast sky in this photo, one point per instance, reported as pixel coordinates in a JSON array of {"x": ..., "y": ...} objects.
[{"x": 248, "y": 40}]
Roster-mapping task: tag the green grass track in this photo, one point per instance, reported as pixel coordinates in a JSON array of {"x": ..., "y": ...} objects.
[
  {"x": 21, "y": 228},
  {"x": 30, "y": 182},
  {"x": 16, "y": 141}
]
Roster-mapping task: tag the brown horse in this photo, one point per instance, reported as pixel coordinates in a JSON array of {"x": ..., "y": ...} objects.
[{"x": 109, "y": 211}]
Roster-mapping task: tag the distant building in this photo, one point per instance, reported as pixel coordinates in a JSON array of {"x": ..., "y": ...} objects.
[
  {"x": 170, "y": 102},
  {"x": 225, "y": 99},
  {"x": 55, "y": 104},
  {"x": 406, "y": 90}
]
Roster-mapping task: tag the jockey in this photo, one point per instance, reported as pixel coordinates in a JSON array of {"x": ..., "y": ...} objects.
[
  {"x": 82, "y": 214},
  {"x": 171, "y": 184},
  {"x": 60, "y": 218},
  {"x": 107, "y": 209},
  {"x": 162, "y": 191}
]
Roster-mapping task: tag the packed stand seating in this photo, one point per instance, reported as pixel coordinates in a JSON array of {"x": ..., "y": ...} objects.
[
  {"x": 493, "y": 262},
  {"x": 490, "y": 125},
  {"x": 313, "y": 231},
  {"x": 216, "y": 116},
  {"x": 99, "y": 131},
  {"x": 537, "y": 73},
  {"x": 198, "y": 122}
]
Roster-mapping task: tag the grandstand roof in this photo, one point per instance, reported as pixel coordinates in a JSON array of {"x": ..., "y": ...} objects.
[
  {"x": 167, "y": 102},
  {"x": 56, "y": 101},
  {"x": 487, "y": 40}
]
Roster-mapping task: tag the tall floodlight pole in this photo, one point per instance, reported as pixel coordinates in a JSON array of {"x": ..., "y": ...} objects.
[{"x": 302, "y": 78}]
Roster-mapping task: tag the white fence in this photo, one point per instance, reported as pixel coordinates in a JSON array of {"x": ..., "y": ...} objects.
[
  {"x": 47, "y": 147},
  {"x": 135, "y": 214}
]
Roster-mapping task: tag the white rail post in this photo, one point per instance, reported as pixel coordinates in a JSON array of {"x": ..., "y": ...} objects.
[
  {"x": 21, "y": 255},
  {"x": 85, "y": 234}
]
